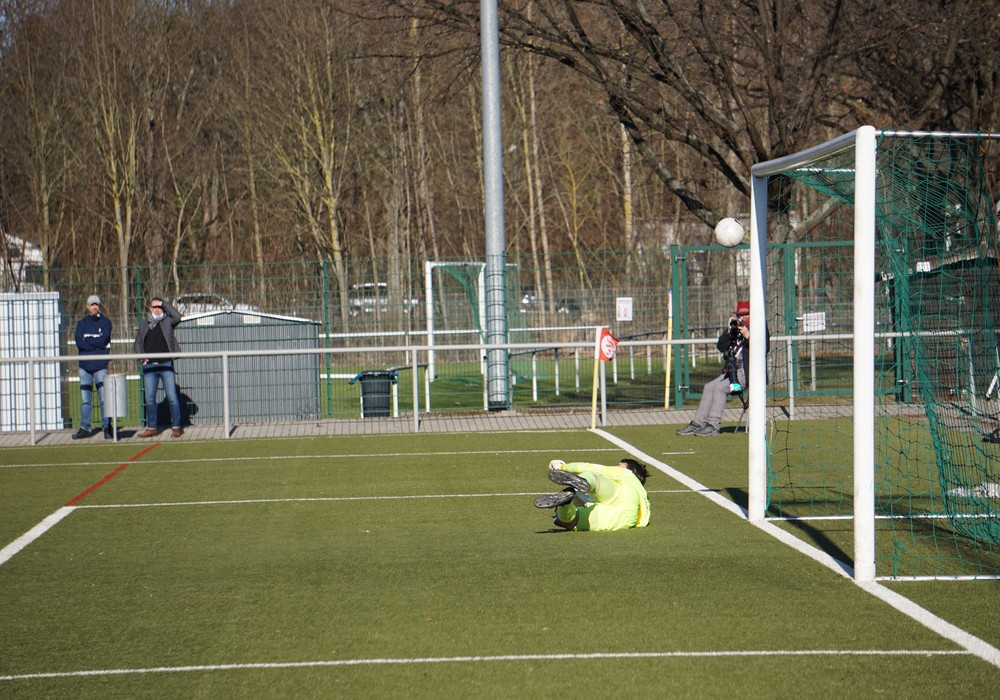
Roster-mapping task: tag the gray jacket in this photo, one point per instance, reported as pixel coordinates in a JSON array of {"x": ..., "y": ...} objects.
[{"x": 171, "y": 317}]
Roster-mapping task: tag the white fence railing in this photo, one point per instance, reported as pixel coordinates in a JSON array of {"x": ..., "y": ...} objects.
[{"x": 573, "y": 363}]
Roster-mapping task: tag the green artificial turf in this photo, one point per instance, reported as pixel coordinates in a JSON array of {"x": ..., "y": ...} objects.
[{"x": 416, "y": 565}]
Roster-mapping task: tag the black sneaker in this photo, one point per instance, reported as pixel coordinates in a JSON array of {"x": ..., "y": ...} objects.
[
  {"x": 553, "y": 500},
  {"x": 81, "y": 434},
  {"x": 570, "y": 479},
  {"x": 689, "y": 429},
  {"x": 108, "y": 433}
]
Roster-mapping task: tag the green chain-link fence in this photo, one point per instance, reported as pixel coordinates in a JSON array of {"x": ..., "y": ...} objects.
[{"x": 686, "y": 292}]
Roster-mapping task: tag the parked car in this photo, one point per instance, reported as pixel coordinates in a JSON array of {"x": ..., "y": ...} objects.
[
  {"x": 531, "y": 303},
  {"x": 567, "y": 306},
  {"x": 528, "y": 300},
  {"x": 366, "y": 297}
]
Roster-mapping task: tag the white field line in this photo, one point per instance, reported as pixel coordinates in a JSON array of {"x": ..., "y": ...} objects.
[
  {"x": 265, "y": 458},
  {"x": 310, "y": 499},
  {"x": 33, "y": 534},
  {"x": 673, "y": 473},
  {"x": 482, "y": 659},
  {"x": 904, "y": 605},
  {"x": 45, "y": 525},
  {"x": 947, "y": 630},
  {"x": 972, "y": 644}
]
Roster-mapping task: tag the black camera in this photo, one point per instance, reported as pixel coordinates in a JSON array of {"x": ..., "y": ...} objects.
[{"x": 735, "y": 323}]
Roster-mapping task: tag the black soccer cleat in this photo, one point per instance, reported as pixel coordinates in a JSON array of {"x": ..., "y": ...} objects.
[
  {"x": 570, "y": 479},
  {"x": 554, "y": 500}
]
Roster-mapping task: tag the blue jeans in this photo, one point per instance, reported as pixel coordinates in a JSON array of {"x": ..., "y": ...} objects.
[
  {"x": 88, "y": 382},
  {"x": 153, "y": 372}
]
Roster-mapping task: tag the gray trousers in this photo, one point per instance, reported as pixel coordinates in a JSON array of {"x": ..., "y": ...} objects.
[{"x": 713, "y": 399}]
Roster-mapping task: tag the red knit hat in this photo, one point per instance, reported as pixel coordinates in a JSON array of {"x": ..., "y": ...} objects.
[{"x": 742, "y": 308}]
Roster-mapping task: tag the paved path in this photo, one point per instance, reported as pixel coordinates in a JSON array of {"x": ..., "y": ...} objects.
[{"x": 432, "y": 423}]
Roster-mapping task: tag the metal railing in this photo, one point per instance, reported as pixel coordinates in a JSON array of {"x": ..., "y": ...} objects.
[
  {"x": 639, "y": 374},
  {"x": 337, "y": 366}
]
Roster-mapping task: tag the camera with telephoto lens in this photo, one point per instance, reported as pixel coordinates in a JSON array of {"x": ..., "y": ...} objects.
[{"x": 735, "y": 322}]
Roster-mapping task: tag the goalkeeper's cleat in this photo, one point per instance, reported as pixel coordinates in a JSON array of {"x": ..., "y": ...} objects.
[
  {"x": 556, "y": 464},
  {"x": 564, "y": 478},
  {"x": 554, "y": 500}
]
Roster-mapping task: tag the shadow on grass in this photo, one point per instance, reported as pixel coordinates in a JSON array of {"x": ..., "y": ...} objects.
[
  {"x": 740, "y": 497},
  {"x": 810, "y": 534}
]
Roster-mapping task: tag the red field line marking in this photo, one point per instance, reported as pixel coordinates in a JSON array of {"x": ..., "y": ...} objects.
[{"x": 108, "y": 477}]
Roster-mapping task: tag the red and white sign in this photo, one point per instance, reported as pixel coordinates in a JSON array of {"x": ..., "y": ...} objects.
[{"x": 607, "y": 345}]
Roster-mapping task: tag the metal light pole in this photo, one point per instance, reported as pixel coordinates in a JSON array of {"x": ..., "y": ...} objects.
[{"x": 495, "y": 321}]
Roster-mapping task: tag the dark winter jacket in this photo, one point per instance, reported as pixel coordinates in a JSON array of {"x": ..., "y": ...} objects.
[
  {"x": 171, "y": 317},
  {"x": 93, "y": 337},
  {"x": 729, "y": 339}
]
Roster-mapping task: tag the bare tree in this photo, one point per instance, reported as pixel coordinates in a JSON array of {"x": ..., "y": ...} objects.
[
  {"x": 152, "y": 130},
  {"x": 37, "y": 130},
  {"x": 307, "y": 103},
  {"x": 925, "y": 65},
  {"x": 116, "y": 84},
  {"x": 733, "y": 83}
]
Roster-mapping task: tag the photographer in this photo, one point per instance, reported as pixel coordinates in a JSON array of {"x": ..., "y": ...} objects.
[{"x": 734, "y": 344}]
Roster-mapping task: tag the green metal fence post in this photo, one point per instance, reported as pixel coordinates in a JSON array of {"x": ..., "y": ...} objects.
[
  {"x": 791, "y": 317},
  {"x": 139, "y": 308},
  {"x": 677, "y": 285}
]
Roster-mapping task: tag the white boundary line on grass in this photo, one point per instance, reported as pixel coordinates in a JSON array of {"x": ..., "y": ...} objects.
[
  {"x": 479, "y": 659},
  {"x": 341, "y": 455},
  {"x": 970, "y": 643},
  {"x": 967, "y": 641},
  {"x": 314, "y": 499},
  {"x": 49, "y": 522},
  {"x": 34, "y": 533}
]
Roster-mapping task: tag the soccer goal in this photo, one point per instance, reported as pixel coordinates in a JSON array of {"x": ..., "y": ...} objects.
[{"x": 874, "y": 261}]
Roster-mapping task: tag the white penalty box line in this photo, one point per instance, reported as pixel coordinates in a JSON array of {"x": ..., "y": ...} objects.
[
  {"x": 52, "y": 520},
  {"x": 278, "y": 665}
]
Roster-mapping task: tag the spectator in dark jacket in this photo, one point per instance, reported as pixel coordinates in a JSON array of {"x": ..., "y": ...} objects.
[
  {"x": 734, "y": 344},
  {"x": 93, "y": 339},
  {"x": 155, "y": 336}
]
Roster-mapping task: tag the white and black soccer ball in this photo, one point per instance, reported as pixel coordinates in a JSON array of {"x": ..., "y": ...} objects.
[{"x": 729, "y": 232}]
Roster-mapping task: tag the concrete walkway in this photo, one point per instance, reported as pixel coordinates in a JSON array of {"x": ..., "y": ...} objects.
[{"x": 500, "y": 421}]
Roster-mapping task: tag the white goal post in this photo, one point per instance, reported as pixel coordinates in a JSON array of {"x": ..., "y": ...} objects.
[
  {"x": 863, "y": 141},
  {"x": 895, "y": 233}
]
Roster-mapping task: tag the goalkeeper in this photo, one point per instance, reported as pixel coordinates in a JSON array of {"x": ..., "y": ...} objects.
[{"x": 598, "y": 497}]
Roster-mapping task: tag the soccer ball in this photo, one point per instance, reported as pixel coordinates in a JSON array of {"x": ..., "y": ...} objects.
[{"x": 729, "y": 232}]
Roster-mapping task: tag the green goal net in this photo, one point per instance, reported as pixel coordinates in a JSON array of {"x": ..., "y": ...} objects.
[{"x": 927, "y": 473}]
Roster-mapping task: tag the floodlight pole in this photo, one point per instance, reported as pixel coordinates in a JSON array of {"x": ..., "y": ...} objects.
[{"x": 495, "y": 321}]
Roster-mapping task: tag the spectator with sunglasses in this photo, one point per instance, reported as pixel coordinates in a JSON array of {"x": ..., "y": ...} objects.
[{"x": 156, "y": 336}]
